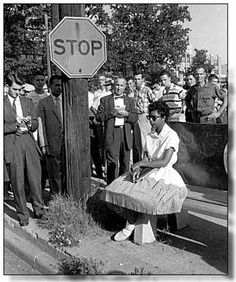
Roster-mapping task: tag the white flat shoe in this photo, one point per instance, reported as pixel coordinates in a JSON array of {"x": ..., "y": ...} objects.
[{"x": 123, "y": 235}]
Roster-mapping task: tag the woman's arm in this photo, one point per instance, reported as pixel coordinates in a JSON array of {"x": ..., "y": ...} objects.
[{"x": 136, "y": 168}]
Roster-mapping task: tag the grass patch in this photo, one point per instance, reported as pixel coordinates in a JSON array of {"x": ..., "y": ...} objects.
[
  {"x": 80, "y": 266},
  {"x": 68, "y": 221},
  {"x": 84, "y": 266}
]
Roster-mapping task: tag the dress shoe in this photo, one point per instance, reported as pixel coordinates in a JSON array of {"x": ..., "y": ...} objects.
[
  {"x": 39, "y": 215},
  {"x": 25, "y": 223},
  {"x": 8, "y": 197}
]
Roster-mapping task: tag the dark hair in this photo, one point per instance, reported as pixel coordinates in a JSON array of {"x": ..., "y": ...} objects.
[
  {"x": 38, "y": 72},
  {"x": 138, "y": 72},
  {"x": 161, "y": 107},
  {"x": 129, "y": 78},
  {"x": 11, "y": 78},
  {"x": 164, "y": 72},
  {"x": 54, "y": 77},
  {"x": 189, "y": 73},
  {"x": 211, "y": 76}
]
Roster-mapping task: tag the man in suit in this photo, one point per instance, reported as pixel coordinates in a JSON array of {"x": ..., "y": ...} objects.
[
  {"x": 118, "y": 113},
  {"x": 20, "y": 148},
  {"x": 52, "y": 144}
]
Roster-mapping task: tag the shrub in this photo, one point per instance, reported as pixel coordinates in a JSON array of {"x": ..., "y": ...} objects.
[
  {"x": 80, "y": 266},
  {"x": 68, "y": 221}
]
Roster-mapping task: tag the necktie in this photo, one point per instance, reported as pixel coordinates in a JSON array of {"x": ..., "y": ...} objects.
[
  {"x": 58, "y": 107},
  {"x": 14, "y": 105}
]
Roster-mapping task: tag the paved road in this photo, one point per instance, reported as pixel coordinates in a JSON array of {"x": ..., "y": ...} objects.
[{"x": 14, "y": 265}]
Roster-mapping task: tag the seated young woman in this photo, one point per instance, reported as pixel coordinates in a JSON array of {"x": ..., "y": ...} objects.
[{"x": 153, "y": 186}]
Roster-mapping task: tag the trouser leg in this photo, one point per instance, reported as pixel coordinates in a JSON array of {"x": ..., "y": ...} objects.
[
  {"x": 54, "y": 174},
  {"x": 44, "y": 174},
  {"x": 145, "y": 128},
  {"x": 99, "y": 137},
  {"x": 95, "y": 155},
  {"x": 33, "y": 173},
  {"x": 112, "y": 157},
  {"x": 124, "y": 155},
  {"x": 137, "y": 143},
  {"x": 17, "y": 175}
]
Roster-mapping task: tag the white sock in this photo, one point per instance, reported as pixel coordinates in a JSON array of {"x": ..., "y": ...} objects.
[{"x": 129, "y": 226}]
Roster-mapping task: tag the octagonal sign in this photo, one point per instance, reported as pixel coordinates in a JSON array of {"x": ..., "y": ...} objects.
[{"x": 77, "y": 47}]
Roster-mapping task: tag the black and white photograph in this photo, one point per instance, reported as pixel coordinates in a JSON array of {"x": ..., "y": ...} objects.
[{"x": 117, "y": 141}]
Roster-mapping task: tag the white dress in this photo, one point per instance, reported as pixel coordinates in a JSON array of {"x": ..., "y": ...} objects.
[{"x": 159, "y": 191}]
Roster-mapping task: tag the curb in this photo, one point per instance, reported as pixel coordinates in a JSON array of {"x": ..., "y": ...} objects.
[{"x": 30, "y": 253}]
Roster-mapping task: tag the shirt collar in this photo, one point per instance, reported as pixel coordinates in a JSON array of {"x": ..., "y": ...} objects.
[
  {"x": 11, "y": 99},
  {"x": 163, "y": 132},
  {"x": 118, "y": 97},
  {"x": 140, "y": 88},
  {"x": 100, "y": 91},
  {"x": 55, "y": 98}
]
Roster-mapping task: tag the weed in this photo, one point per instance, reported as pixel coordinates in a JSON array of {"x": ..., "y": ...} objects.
[
  {"x": 140, "y": 271},
  {"x": 62, "y": 236},
  {"x": 80, "y": 266},
  {"x": 68, "y": 221},
  {"x": 83, "y": 266}
]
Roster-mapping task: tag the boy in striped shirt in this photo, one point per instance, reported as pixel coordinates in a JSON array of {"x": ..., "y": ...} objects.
[{"x": 174, "y": 96}]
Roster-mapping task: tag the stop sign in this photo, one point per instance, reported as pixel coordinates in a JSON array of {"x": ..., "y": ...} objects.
[{"x": 77, "y": 47}]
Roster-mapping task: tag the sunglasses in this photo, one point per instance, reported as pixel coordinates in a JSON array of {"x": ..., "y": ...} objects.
[{"x": 154, "y": 118}]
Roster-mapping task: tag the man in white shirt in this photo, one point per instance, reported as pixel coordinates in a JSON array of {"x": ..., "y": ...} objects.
[{"x": 21, "y": 154}]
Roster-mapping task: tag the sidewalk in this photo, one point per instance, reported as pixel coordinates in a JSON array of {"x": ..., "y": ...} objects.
[{"x": 200, "y": 248}]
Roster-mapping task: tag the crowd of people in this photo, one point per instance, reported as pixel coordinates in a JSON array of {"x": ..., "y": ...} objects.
[{"x": 127, "y": 121}]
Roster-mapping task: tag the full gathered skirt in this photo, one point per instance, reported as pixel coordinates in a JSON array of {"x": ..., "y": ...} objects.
[{"x": 158, "y": 191}]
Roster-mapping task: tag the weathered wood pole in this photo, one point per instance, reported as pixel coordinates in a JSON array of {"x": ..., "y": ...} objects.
[{"x": 76, "y": 119}]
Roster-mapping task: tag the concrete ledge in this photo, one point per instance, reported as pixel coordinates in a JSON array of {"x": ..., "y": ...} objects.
[
  {"x": 210, "y": 195},
  {"x": 206, "y": 208},
  {"x": 213, "y": 202},
  {"x": 30, "y": 253}
]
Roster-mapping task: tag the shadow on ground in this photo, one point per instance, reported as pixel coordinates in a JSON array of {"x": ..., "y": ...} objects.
[
  {"x": 104, "y": 214},
  {"x": 202, "y": 237},
  {"x": 212, "y": 238}
]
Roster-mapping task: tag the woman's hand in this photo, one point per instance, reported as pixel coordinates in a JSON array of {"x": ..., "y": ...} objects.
[
  {"x": 135, "y": 166},
  {"x": 135, "y": 170},
  {"x": 135, "y": 174}
]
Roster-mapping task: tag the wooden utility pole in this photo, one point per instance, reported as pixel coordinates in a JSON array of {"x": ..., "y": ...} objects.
[{"x": 76, "y": 119}]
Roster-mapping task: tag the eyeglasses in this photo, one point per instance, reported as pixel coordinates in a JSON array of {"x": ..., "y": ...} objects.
[{"x": 154, "y": 118}]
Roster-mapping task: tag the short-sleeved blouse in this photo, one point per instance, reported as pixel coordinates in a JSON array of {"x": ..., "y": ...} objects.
[{"x": 157, "y": 144}]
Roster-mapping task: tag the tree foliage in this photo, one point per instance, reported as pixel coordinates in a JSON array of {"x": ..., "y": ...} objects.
[
  {"x": 200, "y": 59},
  {"x": 25, "y": 38},
  {"x": 142, "y": 36},
  {"x": 139, "y": 36}
]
